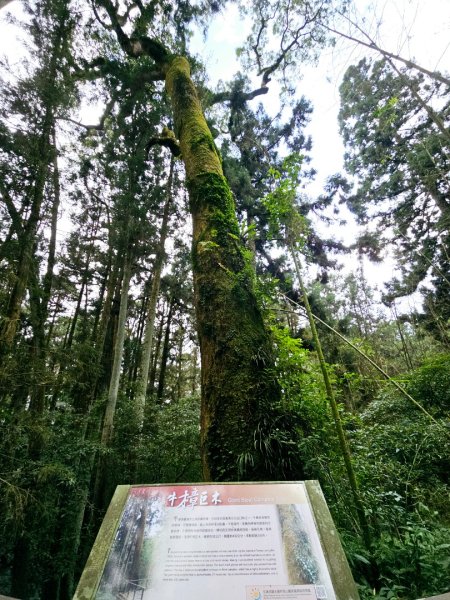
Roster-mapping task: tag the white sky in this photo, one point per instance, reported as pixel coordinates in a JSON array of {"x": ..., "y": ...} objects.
[{"x": 416, "y": 29}]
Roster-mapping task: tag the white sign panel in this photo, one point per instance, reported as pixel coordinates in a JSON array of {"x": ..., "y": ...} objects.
[{"x": 227, "y": 542}]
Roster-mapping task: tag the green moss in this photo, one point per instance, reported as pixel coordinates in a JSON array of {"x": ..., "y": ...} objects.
[
  {"x": 198, "y": 149},
  {"x": 210, "y": 192},
  {"x": 239, "y": 389}
]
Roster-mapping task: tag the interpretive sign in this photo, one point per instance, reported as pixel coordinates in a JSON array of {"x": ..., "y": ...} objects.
[{"x": 266, "y": 541}]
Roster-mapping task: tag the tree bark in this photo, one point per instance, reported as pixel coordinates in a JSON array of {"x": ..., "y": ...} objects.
[
  {"x": 238, "y": 385},
  {"x": 165, "y": 353},
  {"x": 108, "y": 420},
  {"x": 155, "y": 355},
  {"x": 150, "y": 324},
  {"x": 101, "y": 488}
]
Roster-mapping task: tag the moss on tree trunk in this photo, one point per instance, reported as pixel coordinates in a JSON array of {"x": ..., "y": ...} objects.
[{"x": 239, "y": 391}]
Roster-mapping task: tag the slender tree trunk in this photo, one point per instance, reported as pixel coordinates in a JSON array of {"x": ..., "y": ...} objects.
[
  {"x": 251, "y": 241},
  {"x": 100, "y": 487},
  {"x": 103, "y": 329},
  {"x": 37, "y": 391},
  {"x": 165, "y": 353},
  {"x": 194, "y": 371},
  {"x": 104, "y": 289},
  {"x": 73, "y": 325},
  {"x": 155, "y": 356},
  {"x": 180, "y": 364},
  {"x": 40, "y": 294},
  {"x": 343, "y": 442},
  {"x": 408, "y": 361},
  {"x": 136, "y": 354},
  {"x": 53, "y": 318},
  {"x": 154, "y": 293},
  {"x": 108, "y": 420},
  {"x": 51, "y": 260}
]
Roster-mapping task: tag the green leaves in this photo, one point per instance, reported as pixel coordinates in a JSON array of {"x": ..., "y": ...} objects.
[
  {"x": 285, "y": 221},
  {"x": 392, "y": 123}
]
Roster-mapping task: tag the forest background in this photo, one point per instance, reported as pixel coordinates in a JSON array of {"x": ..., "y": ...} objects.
[{"x": 133, "y": 350}]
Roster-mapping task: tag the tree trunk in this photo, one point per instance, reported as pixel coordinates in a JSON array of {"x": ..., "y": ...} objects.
[
  {"x": 136, "y": 352},
  {"x": 176, "y": 394},
  {"x": 40, "y": 293},
  {"x": 101, "y": 491},
  {"x": 108, "y": 421},
  {"x": 240, "y": 394},
  {"x": 150, "y": 324},
  {"x": 238, "y": 385},
  {"x": 155, "y": 355},
  {"x": 165, "y": 353},
  {"x": 194, "y": 371},
  {"x": 104, "y": 289}
]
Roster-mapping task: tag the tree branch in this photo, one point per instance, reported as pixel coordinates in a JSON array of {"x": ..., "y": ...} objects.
[
  {"x": 136, "y": 46},
  {"x": 267, "y": 71},
  {"x": 373, "y": 46},
  {"x": 100, "y": 125},
  {"x": 12, "y": 210},
  {"x": 167, "y": 139},
  {"x": 241, "y": 96},
  {"x": 125, "y": 42}
]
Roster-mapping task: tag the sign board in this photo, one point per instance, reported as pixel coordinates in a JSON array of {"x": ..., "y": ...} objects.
[{"x": 264, "y": 541}]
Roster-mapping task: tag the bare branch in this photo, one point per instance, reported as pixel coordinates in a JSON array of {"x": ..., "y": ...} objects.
[
  {"x": 99, "y": 19},
  {"x": 371, "y": 44},
  {"x": 100, "y": 125},
  {"x": 125, "y": 42},
  {"x": 255, "y": 47},
  {"x": 267, "y": 71}
]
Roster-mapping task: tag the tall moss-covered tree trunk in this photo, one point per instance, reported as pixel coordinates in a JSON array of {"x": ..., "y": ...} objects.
[
  {"x": 239, "y": 389},
  {"x": 238, "y": 385}
]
